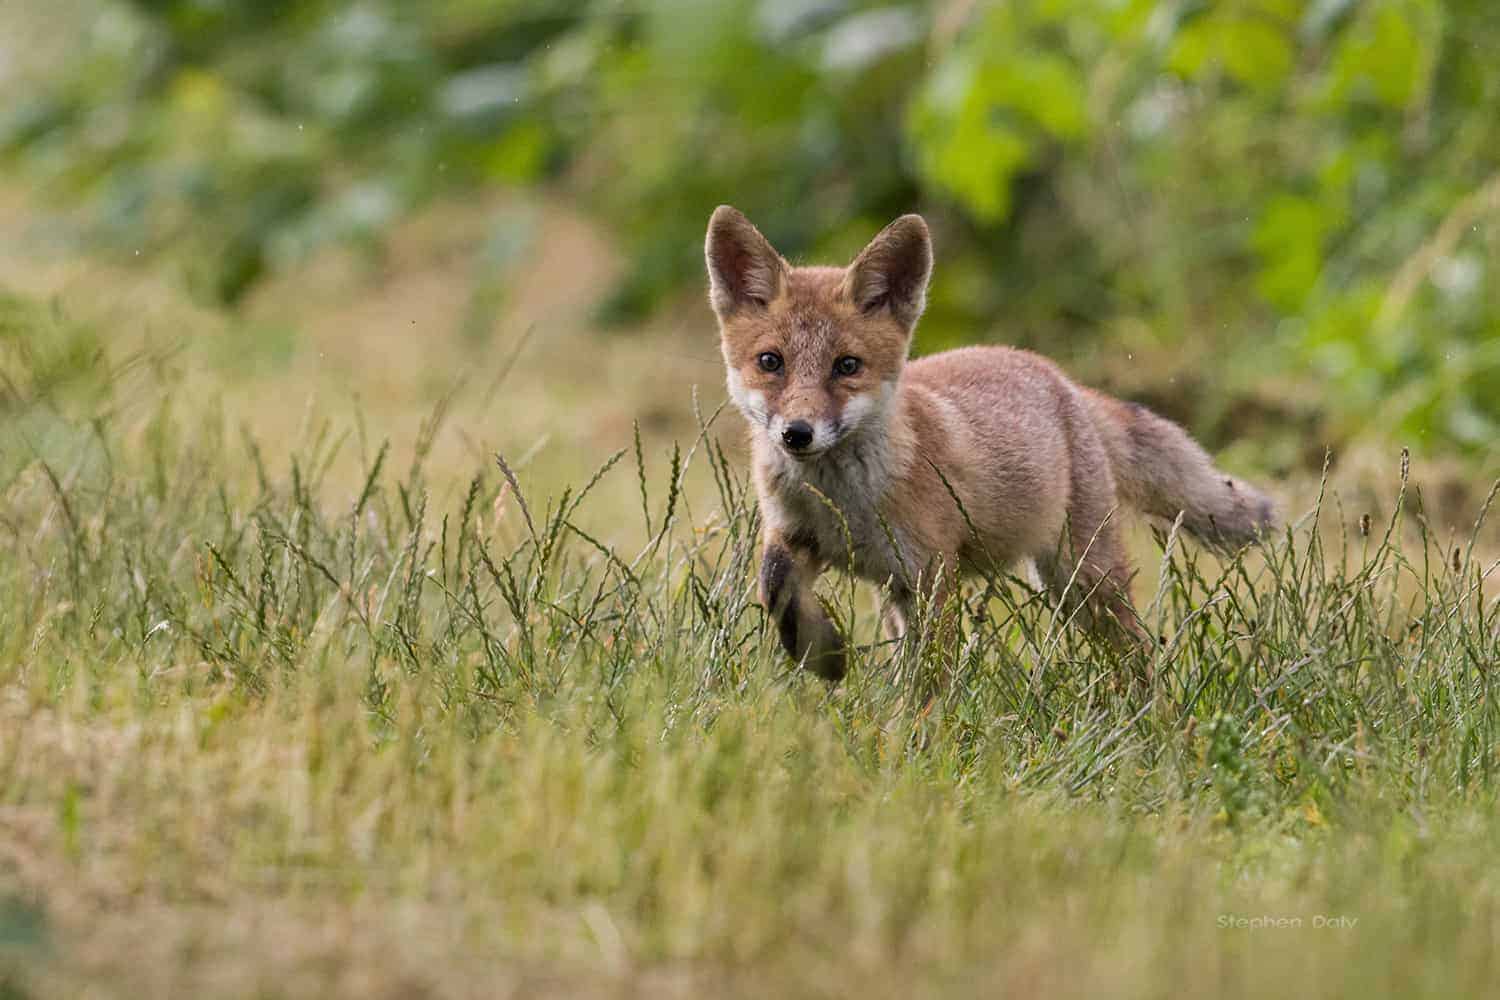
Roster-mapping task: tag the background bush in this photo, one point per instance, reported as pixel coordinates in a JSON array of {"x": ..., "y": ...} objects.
[{"x": 1285, "y": 187}]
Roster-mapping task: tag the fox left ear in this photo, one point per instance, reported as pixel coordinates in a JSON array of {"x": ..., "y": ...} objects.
[
  {"x": 892, "y": 272},
  {"x": 743, "y": 268}
]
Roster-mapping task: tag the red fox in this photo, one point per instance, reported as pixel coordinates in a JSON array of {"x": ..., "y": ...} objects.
[{"x": 908, "y": 473}]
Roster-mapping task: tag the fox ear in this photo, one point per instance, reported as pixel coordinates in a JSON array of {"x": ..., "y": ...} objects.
[
  {"x": 892, "y": 271},
  {"x": 743, "y": 268}
]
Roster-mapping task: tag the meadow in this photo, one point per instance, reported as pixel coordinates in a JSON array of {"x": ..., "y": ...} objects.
[{"x": 328, "y": 679}]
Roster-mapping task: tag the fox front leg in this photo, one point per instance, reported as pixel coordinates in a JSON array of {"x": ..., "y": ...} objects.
[
  {"x": 925, "y": 604},
  {"x": 806, "y": 634},
  {"x": 925, "y": 615}
]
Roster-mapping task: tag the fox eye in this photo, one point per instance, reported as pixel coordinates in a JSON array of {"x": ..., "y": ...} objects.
[
  {"x": 769, "y": 361},
  {"x": 847, "y": 365}
]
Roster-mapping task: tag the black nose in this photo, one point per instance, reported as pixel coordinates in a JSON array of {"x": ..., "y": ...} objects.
[{"x": 797, "y": 435}]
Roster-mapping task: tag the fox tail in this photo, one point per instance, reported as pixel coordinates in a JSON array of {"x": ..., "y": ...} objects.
[{"x": 1161, "y": 471}]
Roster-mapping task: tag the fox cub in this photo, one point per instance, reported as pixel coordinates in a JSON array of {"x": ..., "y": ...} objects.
[{"x": 908, "y": 473}]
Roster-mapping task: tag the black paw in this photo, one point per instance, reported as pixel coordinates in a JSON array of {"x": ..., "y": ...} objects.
[
  {"x": 775, "y": 567},
  {"x": 814, "y": 643}
]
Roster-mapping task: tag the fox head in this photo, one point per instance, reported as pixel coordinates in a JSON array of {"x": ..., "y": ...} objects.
[{"x": 815, "y": 353}]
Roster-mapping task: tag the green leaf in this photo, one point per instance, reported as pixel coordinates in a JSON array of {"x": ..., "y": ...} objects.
[
  {"x": 1385, "y": 57},
  {"x": 1251, "y": 48},
  {"x": 1289, "y": 241}
]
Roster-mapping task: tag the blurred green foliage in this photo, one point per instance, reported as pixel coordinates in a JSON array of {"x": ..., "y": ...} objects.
[{"x": 1305, "y": 187}]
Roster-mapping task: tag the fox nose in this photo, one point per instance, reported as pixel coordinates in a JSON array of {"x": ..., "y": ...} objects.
[{"x": 797, "y": 434}]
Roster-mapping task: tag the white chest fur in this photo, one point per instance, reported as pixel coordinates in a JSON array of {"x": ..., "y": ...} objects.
[{"x": 835, "y": 506}]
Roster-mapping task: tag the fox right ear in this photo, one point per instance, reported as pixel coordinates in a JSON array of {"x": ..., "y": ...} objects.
[
  {"x": 892, "y": 272},
  {"x": 743, "y": 268}
]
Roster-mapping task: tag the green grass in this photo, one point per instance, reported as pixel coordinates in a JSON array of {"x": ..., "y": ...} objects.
[{"x": 260, "y": 741}]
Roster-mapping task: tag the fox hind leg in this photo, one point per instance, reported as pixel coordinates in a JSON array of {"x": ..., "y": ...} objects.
[{"x": 1089, "y": 575}]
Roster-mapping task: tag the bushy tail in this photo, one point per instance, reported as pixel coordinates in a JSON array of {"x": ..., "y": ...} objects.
[{"x": 1161, "y": 471}]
